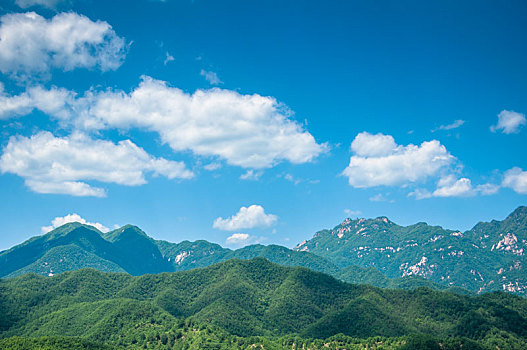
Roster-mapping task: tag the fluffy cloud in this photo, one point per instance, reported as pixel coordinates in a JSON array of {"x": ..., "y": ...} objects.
[
  {"x": 62, "y": 220},
  {"x": 52, "y": 164},
  {"x": 242, "y": 239},
  {"x": 247, "y": 217},
  {"x": 487, "y": 189},
  {"x": 516, "y": 179},
  {"x": 211, "y": 77},
  {"x": 379, "y": 161},
  {"x": 237, "y": 239},
  {"x": 449, "y": 186},
  {"x": 31, "y": 45},
  {"x": 509, "y": 122},
  {"x": 52, "y": 101},
  {"x": 368, "y": 145},
  {"x": 249, "y": 131}
]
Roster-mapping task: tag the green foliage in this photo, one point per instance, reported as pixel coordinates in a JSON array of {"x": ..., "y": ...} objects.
[
  {"x": 489, "y": 257},
  {"x": 51, "y": 343},
  {"x": 128, "y": 249},
  {"x": 242, "y": 304},
  {"x": 253, "y": 303},
  {"x": 66, "y": 258},
  {"x": 375, "y": 252}
]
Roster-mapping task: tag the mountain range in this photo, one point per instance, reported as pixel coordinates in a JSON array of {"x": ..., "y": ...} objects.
[{"x": 488, "y": 257}]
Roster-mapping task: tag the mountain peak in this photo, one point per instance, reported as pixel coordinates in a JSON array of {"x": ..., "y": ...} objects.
[
  {"x": 384, "y": 219},
  {"x": 521, "y": 211},
  {"x": 126, "y": 230},
  {"x": 361, "y": 222},
  {"x": 74, "y": 224},
  {"x": 347, "y": 221},
  {"x": 67, "y": 228}
]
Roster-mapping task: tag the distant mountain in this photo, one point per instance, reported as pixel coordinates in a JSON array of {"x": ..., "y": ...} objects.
[
  {"x": 248, "y": 298},
  {"x": 128, "y": 249},
  {"x": 73, "y": 246},
  {"x": 379, "y": 252},
  {"x": 489, "y": 257},
  {"x": 187, "y": 255}
]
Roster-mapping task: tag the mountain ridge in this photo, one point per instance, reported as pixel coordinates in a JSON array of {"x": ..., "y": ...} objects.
[
  {"x": 488, "y": 257},
  {"x": 400, "y": 256}
]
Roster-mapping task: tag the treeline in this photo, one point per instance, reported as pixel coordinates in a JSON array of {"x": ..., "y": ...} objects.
[{"x": 195, "y": 337}]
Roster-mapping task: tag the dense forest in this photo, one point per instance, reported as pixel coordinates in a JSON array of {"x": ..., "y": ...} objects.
[{"x": 248, "y": 304}]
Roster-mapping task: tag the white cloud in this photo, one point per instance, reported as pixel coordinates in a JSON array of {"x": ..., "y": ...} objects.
[
  {"x": 212, "y": 166},
  {"x": 368, "y": 145},
  {"x": 379, "y": 161},
  {"x": 251, "y": 175},
  {"x": 249, "y": 131},
  {"x": 420, "y": 193},
  {"x": 50, "y": 4},
  {"x": 350, "y": 212},
  {"x": 509, "y": 122},
  {"x": 62, "y": 220},
  {"x": 31, "y": 45},
  {"x": 52, "y": 101},
  {"x": 487, "y": 189},
  {"x": 52, "y": 164},
  {"x": 242, "y": 239},
  {"x": 247, "y": 217},
  {"x": 516, "y": 179},
  {"x": 456, "y": 124},
  {"x": 211, "y": 77},
  {"x": 449, "y": 186},
  {"x": 292, "y": 179},
  {"x": 237, "y": 239},
  {"x": 379, "y": 197},
  {"x": 169, "y": 58}
]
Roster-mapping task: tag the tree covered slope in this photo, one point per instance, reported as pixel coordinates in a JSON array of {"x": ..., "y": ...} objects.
[
  {"x": 379, "y": 252},
  {"x": 489, "y": 257},
  {"x": 128, "y": 249},
  {"x": 246, "y": 298}
]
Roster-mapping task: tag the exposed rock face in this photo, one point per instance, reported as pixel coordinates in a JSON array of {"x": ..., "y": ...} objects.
[{"x": 466, "y": 259}]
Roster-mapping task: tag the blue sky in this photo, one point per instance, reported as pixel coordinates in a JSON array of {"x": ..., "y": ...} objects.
[{"x": 260, "y": 121}]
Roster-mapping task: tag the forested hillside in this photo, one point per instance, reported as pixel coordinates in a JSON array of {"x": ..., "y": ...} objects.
[
  {"x": 241, "y": 299},
  {"x": 128, "y": 249},
  {"x": 489, "y": 257}
]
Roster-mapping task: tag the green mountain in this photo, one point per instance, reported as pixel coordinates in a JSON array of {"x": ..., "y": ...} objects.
[
  {"x": 489, "y": 257},
  {"x": 188, "y": 255},
  {"x": 73, "y": 246},
  {"x": 377, "y": 251},
  {"x": 244, "y": 303},
  {"x": 82, "y": 240},
  {"x": 128, "y": 249}
]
